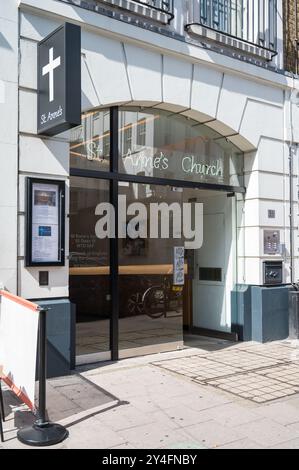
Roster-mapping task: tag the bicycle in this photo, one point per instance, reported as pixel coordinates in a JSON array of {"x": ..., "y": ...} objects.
[{"x": 157, "y": 300}]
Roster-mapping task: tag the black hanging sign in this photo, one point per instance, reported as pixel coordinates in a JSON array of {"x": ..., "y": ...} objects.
[{"x": 59, "y": 80}]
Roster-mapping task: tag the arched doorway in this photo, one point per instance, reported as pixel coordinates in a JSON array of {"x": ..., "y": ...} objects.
[{"x": 123, "y": 288}]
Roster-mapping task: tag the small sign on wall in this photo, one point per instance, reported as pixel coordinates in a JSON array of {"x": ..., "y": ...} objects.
[
  {"x": 178, "y": 266},
  {"x": 45, "y": 222},
  {"x": 59, "y": 80}
]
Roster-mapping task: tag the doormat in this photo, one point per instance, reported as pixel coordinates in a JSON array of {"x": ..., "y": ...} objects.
[{"x": 75, "y": 395}]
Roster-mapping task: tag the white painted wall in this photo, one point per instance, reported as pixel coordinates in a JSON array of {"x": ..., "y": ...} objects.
[{"x": 8, "y": 143}]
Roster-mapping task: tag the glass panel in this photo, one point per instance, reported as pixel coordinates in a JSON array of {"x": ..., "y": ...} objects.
[
  {"x": 151, "y": 311},
  {"x": 90, "y": 142},
  {"x": 223, "y": 15},
  {"x": 89, "y": 266},
  {"x": 157, "y": 144}
]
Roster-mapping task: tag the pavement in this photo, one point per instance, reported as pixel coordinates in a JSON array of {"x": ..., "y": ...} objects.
[{"x": 213, "y": 394}]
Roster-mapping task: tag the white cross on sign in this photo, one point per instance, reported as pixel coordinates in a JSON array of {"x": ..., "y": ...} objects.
[{"x": 49, "y": 69}]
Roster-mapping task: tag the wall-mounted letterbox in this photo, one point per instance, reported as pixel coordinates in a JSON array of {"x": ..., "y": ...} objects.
[{"x": 273, "y": 273}]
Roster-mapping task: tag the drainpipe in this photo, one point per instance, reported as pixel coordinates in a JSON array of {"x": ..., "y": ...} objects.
[
  {"x": 296, "y": 34},
  {"x": 296, "y": 37},
  {"x": 294, "y": 101},
  {"x": 291, "y": 215}
]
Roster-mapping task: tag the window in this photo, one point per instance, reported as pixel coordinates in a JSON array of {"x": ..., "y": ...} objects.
[
  {"x": 141, "y": 132},
  {"x": 164, "y": 5},
  {"x": 210, "y": 274},
  {"x": 90, "y": 142},
  {"x": 157, "y": 10},
  {"x": 249, "y": 22},
  {"x": 224, "y": 15},
  {"x": 127, "y": 140}
]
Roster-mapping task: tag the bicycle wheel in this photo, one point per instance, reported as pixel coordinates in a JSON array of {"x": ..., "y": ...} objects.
[
  {"x": 154, "y": 301},
  {"x": 135, "y": 304}
]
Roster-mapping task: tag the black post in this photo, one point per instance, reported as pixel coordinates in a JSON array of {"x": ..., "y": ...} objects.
[
  {"x": 1, "y": 428},
  {"x": 43, "y": 432},
  {"x": 42, "y": 368},
  {"x": 1, "y": 402},
  {"x": 114, "y": 259}
]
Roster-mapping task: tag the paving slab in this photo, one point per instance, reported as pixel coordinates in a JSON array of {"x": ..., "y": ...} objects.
[
  {"x": 125, "y": 418},
  {"x": 183, "y": 416},
  {"x": 212, "y": 434},
  {"x": 230, "y": 414},
  {"x": 267, "y": 432},
  {"x": 282, "y": 412},
  {"x": 242, "y": 444},
  {"x": 154, "y": 436},
  {"x": 92, "y": 434},
  {"x": 291, "y": 444}
]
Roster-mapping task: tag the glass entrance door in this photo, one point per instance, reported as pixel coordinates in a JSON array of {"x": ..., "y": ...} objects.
[
  {"x": 151, "y": 307},
  {"x": 89, "y": 270}
]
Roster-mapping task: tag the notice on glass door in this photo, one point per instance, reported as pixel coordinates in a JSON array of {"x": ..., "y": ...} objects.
[
  {"x": 45, "y": 223},
  {"x": 178, "y": 266}
]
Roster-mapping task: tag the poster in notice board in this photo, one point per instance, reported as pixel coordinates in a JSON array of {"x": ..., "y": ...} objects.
[{"x": 45, "y": 223}]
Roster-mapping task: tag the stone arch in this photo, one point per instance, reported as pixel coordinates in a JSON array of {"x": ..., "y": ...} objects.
[{"x": 118, "y": 73}]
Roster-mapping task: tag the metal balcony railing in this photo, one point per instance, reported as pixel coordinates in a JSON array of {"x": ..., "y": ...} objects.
[
  {"x": 159, "y": 10},
  {"x": 166, "y": 6},
  {"x": 251, "y": 21}
]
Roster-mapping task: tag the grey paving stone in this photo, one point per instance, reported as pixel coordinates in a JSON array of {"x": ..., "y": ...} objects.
[
  {"x": 126, "y": 445},
  {"x": 230, "y": 414},
  {"x": 152, "y": 436},
  {"x": 281, "y": 412},
  {"x": 267, "y": 432},
  {"x": 124, "y": 417},
  {"x": 183, "y": 416},
  {"x": 292, "y": 444},
  {"x": 187, "y": 445},
  {"x": 146, "y": 405},
  {"x": 211, "y": 400},
  {"x": 162, "y": 418},
  {"x": 92, "y": 434},
  {"x": 213, "y": 435},
  {"x": 242, "y": 444},
  {"x": 294, "y": 427}
]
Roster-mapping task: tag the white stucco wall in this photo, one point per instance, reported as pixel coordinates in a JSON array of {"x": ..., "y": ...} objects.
[
  {"x": 122, "y": 64},
  {"x": 8, "y": 143}
]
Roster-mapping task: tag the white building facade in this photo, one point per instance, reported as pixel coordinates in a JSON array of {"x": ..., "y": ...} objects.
[{"x": 195, "y": 80}]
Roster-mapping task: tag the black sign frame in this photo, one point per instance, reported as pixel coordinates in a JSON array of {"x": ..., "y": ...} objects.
[
  {"x": 59, "y": 80},
  {"x": 30, "y": 182}
]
